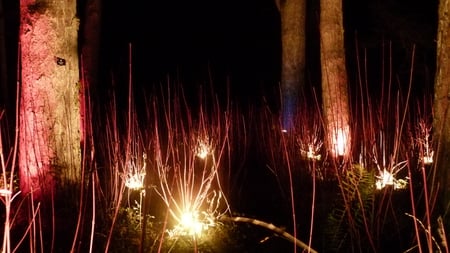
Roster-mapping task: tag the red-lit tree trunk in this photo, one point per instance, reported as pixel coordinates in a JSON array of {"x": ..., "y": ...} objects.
[
  {"x": 441, "y": 115},
  {"x": 293, "y": 13},
  {"x": 335, "y": 98},
  {"x": 49, "y": 137}
]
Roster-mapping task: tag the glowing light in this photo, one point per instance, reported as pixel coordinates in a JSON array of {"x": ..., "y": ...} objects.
[
  {"x": 134, "y": 175},
  {"x": 340, "y": 141},
  {"x": 428, "y": 158},
  {"x": 190, "y": 187},
  {"x": 387, "y": 178},
  {"x": 135, "y": 181},
  {"x": 192, "y": 223},
  {"x": 424, "y": 142},
  {"x": 203, "y": 148},
  {"x": 313, "y": 152}
]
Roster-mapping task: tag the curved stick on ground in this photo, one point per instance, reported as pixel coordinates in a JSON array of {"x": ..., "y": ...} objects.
[{"x": 271, "y": 227}]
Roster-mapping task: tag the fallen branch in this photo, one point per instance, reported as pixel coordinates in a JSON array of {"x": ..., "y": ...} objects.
[{"x": 277, "y": 230}]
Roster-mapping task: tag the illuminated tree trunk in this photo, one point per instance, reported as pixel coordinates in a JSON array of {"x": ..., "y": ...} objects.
[
  {"x": 49, "y": 137},
  {"x": 334, "y": 78},
  {"x": 293, "y": 36},
  {"x": 441, "y": 116}
]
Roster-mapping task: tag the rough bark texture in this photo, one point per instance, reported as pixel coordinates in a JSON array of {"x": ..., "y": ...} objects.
[
  {"x": 441, "y": 120},
  {"x": 334, "y": 77},
  {"x": 49, "y": 139},
  {"x": 293, "y": 55}
]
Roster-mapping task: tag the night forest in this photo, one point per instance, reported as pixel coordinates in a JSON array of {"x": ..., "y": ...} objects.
[{"x": 224, "y": 126}]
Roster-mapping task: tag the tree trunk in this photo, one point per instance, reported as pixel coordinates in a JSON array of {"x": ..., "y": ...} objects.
[
  {"x": 335, "y": 98},
  {"x": 49, "y": 137},
  {"x": 441, "y": 117},
  {"x": 293, "y": 36}
]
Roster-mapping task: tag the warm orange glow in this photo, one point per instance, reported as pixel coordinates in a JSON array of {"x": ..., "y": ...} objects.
[
  {"x": 203, "y": 148},
  {"x": 194, "y": 220},
  {"x": 135, "y": 181},
  {"x": 340, "y": 142},
  {"x": 428, "y": 158},
  {"x": 134, "y": 174},
  {"x": 192, "y": 224}
]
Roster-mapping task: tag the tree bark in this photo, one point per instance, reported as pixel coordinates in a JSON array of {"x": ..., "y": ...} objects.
[
  {"x": 335, "y": 100},
  {"x": 441, "y": 117},
  {"x": 293, "y": 15},
  {"x": 49, "y": 127}
]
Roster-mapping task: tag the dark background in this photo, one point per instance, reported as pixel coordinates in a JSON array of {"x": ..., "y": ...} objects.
[{"x": 237, "y": 43}]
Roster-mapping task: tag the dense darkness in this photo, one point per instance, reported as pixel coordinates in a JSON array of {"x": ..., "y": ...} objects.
[
  {"x": 235, "y": 41},
  {"x": 238, "y": 42}
]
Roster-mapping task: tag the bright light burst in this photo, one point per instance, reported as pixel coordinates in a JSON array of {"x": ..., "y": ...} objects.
[
  {"x": 193, "y": 223},
  {"x": 388, "y": 167},
  {"x": 310, "y": 142},
  {"x": 190, "y": 222},
  {"x": 340, "y": 141},
  {"x": 134, "y": 174},
  {"x": 387, "y": 178},
  {"x": 188, "y": 170},
  {"x": 203, "y": 147}
]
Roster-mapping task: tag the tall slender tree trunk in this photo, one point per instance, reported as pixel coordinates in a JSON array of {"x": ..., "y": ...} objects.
[
  {"x": 49, "y": 137},
  {"x": 293, "y": 15},
  {"x": 336, "y": 109},
  {"x": 441, "y": 115}
]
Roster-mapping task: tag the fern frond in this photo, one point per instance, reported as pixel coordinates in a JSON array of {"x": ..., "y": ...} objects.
[{"x": 352, "y": 212}]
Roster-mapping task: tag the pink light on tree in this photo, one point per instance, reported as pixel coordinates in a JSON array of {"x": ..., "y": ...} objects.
[{"x": 49, "y": 127}]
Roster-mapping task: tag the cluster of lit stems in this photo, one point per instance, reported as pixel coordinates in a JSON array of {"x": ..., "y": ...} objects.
[
  {"x": 310, "y": 148},
  {"x": 134, "y": 174},
  {"x": 190, "y": 186},
  {"x": 188, "y": 178}
]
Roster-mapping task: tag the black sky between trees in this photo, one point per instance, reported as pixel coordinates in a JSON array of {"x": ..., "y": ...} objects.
[{"x": 240, "y": 40}]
